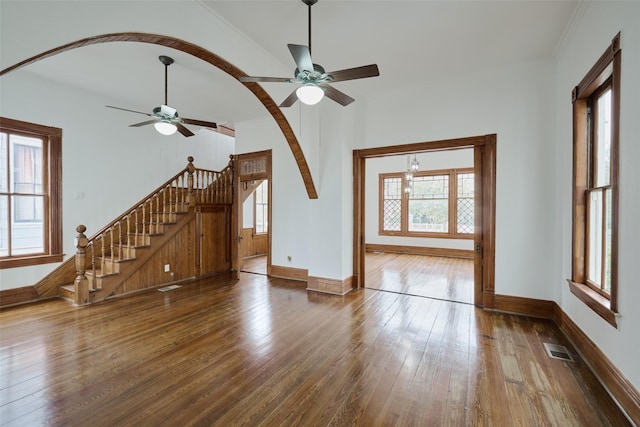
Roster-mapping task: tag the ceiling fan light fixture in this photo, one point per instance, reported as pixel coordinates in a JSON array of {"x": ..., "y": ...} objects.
[
  {"x": 310, "y": 94},
  {"x": 165, "y": 127}
]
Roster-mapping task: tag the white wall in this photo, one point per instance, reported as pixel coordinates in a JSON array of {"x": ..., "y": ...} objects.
[
  {"x": 390, "y": 164},
  {"x": 290, "y": 203},
  {"x": 113, "y": 165},
  {"x": 600, "y": 22},
  {"x": 517, "y": 104}
]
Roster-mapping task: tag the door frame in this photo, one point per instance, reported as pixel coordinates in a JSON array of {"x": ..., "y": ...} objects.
[
  {"x": 250, "y": 167},
  {"x": 484, "y": 154}
]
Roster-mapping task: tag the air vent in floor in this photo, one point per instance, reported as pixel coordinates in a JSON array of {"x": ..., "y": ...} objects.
[
  {"x": 169, "y": 288},
  {"x": 557, "y": 351}
]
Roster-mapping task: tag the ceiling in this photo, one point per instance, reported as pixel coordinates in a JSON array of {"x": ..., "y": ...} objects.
[{"x": 411, "y": 41}]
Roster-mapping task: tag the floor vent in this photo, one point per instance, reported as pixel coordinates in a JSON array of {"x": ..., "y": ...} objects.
[
  {"x": 169, "y": 288},
  {"x": 557, "y": 351}
]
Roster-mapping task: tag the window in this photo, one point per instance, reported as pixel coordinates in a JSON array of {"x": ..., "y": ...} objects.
[
  {"x": 30, "y": 189},
  {"x": 437, "y": 204},
  {"x": 261, "y": 217},
  {"x": 596, "y": 110}
]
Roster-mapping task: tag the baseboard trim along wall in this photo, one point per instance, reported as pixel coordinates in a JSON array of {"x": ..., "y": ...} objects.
[
  {"x": 15, "y": 296},
  {"x": 610, "y": 377},
  {"x": 330, "y": 286},
  {"x": 419, "y": 250},
  {"x": 292, "y": 273}
]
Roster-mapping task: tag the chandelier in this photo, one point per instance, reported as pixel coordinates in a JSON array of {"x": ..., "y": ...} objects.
[{"x": 412, "y": 167}]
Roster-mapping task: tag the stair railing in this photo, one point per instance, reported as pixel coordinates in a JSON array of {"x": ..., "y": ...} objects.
[{"x": 109, "y": 246}]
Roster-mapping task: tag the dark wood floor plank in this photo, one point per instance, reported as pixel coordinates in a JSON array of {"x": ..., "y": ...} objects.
[{"x": 267, "y": 352}]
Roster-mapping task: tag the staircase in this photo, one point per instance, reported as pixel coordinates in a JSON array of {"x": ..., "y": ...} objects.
[{"x": 131, "y": 253}]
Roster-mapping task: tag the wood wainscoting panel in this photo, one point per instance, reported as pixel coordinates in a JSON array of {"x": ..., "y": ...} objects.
[
  {"x": 330, "y": 286},
  {"x": 292, "y": 273},
  {"x": 419, "y": 250},
  {"x": 9, "y": 297},
  {"x": 254, "y": 244},
  {"x": 178, "y": 252}
]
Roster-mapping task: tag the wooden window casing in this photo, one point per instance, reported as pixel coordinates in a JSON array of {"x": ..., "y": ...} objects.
[
  {"x": 403, "y": 230},
  {"x": 51, "y": 193},
  {"x": 600, "y": 295}
]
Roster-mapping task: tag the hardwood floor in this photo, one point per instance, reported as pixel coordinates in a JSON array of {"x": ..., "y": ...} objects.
[
  {"x": 255, "y": 264},
  {"x": 266, "y": 352},
  {"x": 445, "y": 278}
]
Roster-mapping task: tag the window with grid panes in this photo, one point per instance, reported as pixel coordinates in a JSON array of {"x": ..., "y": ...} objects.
[
  {"x": 440, "y": 204},
  {"x": 464, "y": 203}
]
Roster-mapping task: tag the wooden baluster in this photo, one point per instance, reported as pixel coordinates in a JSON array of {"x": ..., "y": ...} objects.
[
  {"x": 110, "y": 231},
  {"x": 81, "y": 284},
  {"x": 216, "y": 193},
  {"x": 136, "y": 227},
  {"x": 103, "y": 254},
  {"x": 128, "y": 217},
  {"x": 170, "y": 186},
  {"x": 158, "y": 222},
  {"x": 93, "y": 264},
  {"x": 119, "y": 224},
  {"x": 181, "y": 189},
  {"x": 153, "y": 216},
  {"x": 144, "y": 204},
  {"x": 164, "y": 205},
  {"x": 205, "y": 187},
  {"x": 190, "y": 170}
]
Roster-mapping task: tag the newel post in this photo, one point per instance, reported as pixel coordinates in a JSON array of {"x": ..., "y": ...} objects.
[
  {"x": 81, "y": 283},
  {"x": 190, "y": 170}
]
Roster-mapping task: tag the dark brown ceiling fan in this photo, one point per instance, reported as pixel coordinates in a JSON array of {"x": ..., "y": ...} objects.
[
  {"x": 313, "y": 78},
  {"x": 165, "y": 118}
]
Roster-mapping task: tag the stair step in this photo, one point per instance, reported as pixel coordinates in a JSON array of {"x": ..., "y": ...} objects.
[{"x": 68, "y": 291}]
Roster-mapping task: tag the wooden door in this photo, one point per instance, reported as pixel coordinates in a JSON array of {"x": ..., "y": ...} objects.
[{"x": 213, "y": 239}]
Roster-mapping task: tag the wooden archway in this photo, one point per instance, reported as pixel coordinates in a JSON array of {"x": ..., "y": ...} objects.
[{"x": 212, "y": 59}]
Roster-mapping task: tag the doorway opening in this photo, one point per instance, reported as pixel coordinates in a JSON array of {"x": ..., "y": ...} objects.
[
  {"x": 253, "y": 216},
  {"x": 398, "y": 272}
]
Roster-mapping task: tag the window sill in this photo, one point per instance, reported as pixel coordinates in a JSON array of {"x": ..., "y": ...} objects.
[
  {"x": 595, "y": 301},
  {"x": 29, "y": 261},
  {"x": 429, "y": 235}
]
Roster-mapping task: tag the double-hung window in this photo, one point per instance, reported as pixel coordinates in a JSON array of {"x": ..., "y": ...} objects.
[
  {"x": 30, "y": 194},
  {"x": 596, "y": 112},
  {"x": 261, "y": 208}
]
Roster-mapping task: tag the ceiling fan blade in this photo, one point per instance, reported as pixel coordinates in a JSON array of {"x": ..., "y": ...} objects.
[
  {"x": 199, "y": 123},
  {"x": 264, "y": 79},
  {"x": 183, "y": 130},
  {"x": 148, "y": 122},
  {"x": 291, "y": 99},
  {"x": 131, "y": 111},
  {"x": 302, "y": 56},
  {"x": 340, "y": 97},
  {"x": 355, "y": 73}
]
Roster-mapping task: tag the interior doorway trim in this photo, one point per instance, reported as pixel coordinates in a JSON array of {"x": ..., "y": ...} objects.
[
  {"x": 484, "y": 154},
  {"x": 248, "y": 168}
]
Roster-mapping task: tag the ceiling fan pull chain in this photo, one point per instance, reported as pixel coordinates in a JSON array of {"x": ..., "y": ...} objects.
[
  {"x": 166, "y": 73},
  {"x": 310, "y": 27}
]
